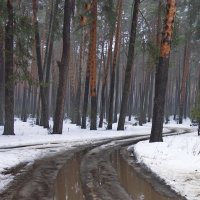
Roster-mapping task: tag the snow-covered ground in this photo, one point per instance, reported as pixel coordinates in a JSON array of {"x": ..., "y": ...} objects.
[
  {"x": 30, "y": 142},
  {"x": 176, "y": 160}
]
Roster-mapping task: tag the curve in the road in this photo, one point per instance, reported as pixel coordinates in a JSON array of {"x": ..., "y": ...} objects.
[{"x": 99, "y": 178}]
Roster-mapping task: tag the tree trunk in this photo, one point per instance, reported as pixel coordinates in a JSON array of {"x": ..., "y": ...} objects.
[
  {"x": 49, "y": 50},
  {"x": 2, "y": 80},
  {"x": 150, "y": 101},
  {"x": 9, "y": 69},
  {"x": 176, "y": 101},
  {"x": 38, "y": 118},
  {"x": 161, "y": 77},
  {"x": 28, "y": 103},
  {"x": 85, "y": 103},
  {"x": 116, "y": 95},
  {"x": 24, "y": 103},
  {"x": 130, "y": 101},
  {"x": 63, "y": 67},
  {"x": 115, "y": 58},
  {"x": 141, "y": 94},
  {"x": 45, "y": 120},
  {"x": 199, "y": 82},
  {"x": 187, "y": 100},
  {"x": 146, "y": 89},
  {"x": 157, "y": 43},
  {"x": 92, "y": 65},
  {"x": 78, "y": 93},
  {"x": 86, "y": 94},
  {"x": 184, "y": 81},
  {"x": 130, "y": 61},
  {"x": 104, "y": 82}
]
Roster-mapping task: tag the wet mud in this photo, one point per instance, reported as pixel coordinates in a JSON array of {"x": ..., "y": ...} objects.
[
  {"x": 146, "y": 187},
  {"x": 68, "y": 183}
]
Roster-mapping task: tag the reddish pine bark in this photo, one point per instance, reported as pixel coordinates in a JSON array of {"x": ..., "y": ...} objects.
[{"x": 161, "y": 77}]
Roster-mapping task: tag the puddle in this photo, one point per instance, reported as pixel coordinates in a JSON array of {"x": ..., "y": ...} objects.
[
  {"x": 136, "y": 187},
  {"x": 68, "y": 184}
]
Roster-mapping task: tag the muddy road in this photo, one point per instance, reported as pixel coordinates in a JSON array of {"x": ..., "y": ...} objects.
[{"x": 100, "y": 171}]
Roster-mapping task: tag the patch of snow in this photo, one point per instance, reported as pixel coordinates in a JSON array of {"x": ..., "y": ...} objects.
[{"x": 176, "y": 160}]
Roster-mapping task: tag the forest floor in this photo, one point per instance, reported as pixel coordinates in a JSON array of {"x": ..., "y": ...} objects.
[{"x": 32, "y": 142}]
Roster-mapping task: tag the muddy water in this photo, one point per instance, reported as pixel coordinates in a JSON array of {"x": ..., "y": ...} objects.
[
  {"x": 68, "y": 184},
  {"x": 136, "y": 186}
]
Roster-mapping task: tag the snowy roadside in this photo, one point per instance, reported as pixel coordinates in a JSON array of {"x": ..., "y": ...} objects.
[
  {"x": 32, "y": 142},
  {"x": 176, "y": 161}
]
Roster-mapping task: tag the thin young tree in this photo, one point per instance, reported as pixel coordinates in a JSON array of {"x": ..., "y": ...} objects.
[
  {"x": 92, "y": 66},
  {"x": 161, "y": 76},
  {"x": 9, "y": 72},
  {"x": 115, "y": 59},
  {"x": 45, "y": 120},
  {"x": 2, "y": 67},
  {"x": 49, "y": 49},
  {"x": 2, "y": 84},
  {"x": 105, "y": 79},
  {"x": 79, "y": 91},
  {"x": 85, "y": 100},
  {"x": 63, "y": 68},
  {"x": 185, "y": 76}
]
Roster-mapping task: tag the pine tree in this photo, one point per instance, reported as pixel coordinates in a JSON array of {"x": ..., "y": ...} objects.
[
  {"x": 9, "y": 72},
  {"x": 130, "y": 61},
  {"x": 92, "y": 66},
  {"x": 63, "y": 67},
  {"x": 161, "y": 77}
]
